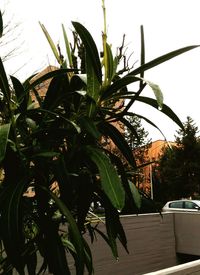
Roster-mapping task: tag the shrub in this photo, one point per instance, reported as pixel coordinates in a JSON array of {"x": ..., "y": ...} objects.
[{"x": 60, "y": 141}]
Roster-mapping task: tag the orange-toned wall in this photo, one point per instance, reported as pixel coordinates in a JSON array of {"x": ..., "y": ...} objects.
[{"x": 153, "y": 154}]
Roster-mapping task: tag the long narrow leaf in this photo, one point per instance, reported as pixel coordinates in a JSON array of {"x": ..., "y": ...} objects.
[
  {"x": 77, "y": 239},
  {"x": 12, "y": 236},
  {"x": 118, "y": 139},
  {"x": 93, "y": 86},
  {"x": 22, "y": 97},
  {"x": 53, "y": 114},
  {"x": 161, "y": 59},
  {"x": 157, "y": 92},
  {"x": 114, "y": 229},
  {"x": 88, "y": 258},
  {"x": 88, "y": 125},
  {"x": 110, "y": 180},
  {"x": 165, "y": 109},
  {"x": 111, "y": 234},
  {"x": 142, "y": 57},
  {"x": 119, "y": 84},
  {"x": 4, "y": 85},
  {"x": 55, "y": 251},
  {"x": 136, "y": 195},
  {"x": 68, "y": 51},
  {"x": 57, "y": 90},
  {"x": 28, "y": 86},
  {"x": 110, "y": 65},
  {"x": 51, "y": 44},
  {"x": 128, "y": 125},
  {"x": 148, "y": 121},
  {"x": 4, "y": 132},
  {"x": 91, "y": 49}
]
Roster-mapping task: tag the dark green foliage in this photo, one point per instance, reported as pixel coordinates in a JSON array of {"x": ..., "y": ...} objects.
[
  {"x": 139, "y": 138},
  {"x": 60, "y": 141},
  {"x": 179, "y": 171}
]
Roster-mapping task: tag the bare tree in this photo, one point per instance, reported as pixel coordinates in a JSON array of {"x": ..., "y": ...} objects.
[{"x": 9, "y": 40}]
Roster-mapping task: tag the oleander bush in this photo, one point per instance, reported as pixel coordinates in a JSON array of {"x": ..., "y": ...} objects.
[{"x": 57, "y": 146}]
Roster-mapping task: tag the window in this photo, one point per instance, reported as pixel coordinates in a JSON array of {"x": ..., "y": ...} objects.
[
  {"x": 191, "y": 205},
  {"x": 176, "y": 204}
]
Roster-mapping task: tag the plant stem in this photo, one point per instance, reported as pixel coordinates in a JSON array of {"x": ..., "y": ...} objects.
[{"x": 104, "y": 38}]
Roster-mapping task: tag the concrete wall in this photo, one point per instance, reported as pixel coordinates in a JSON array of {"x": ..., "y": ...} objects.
[
  {"x": 187, "y": 228},
  {"x": 151, "y": 244},
  {"x": 153, "y": 241}
]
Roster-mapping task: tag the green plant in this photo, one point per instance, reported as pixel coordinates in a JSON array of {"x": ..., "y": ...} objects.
[
  {"x": 60, "y": 141},
  {"x": 178, "y": 168}
]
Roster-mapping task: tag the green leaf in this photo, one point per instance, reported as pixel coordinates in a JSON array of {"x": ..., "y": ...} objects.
[
  {"x": 68, "y": 244},
  {"x": 29, "y": 86},
  {"x": 148, "y": 121},
  {"x": 4, "y": 133},
  {"x": 102, "y": 234},
  {"x": 112, "y": 132},
  {"x": 1, "y": 24},
  {"x": 57, "y": 90},
  {"x": 129, "y": 125},
  {"x": 110, "y": 180},
  {"x": 77, "y": 238},
  {"x": 124, "y": 178},
  {"x": 135, "y": 194},
  {"x": 31, "y": 123},
  {"x": 67, "y": 46},
  {"x": 110, "y": 66},
  {"x": 55, "y": 115},
  {"x": 51, "y": 44},
  {"x": 114, "y": 229},
  {"x": 157, "y": 92},
  {"x": 121, "y": 83},
  {"x": 165, "y": 109},
  {"x": 93, "y": 86},
  {"x": 11, "y": 218},
  {"x": 112, "y": 235},
  {"x": 4, "y": 85},
  {"x": 142, "y": 57},
  {"x": 117, "y": 85},
  {"x": 55, "y": 251},
  {"x": 78, "y": 84},
  {"x": 46, "y": 155},
  {"x": 88, "y": 258},
  {"x": 115, "y": 64},
  {"x": 89, "y": 126},
  {"x": 22, "y": 97},
  {"x": 159, "y": 60},
  {"x": 110, "y": 243},
  {"x": 91, "y": 49}
]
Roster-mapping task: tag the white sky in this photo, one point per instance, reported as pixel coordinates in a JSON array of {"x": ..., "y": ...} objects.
[{"x": 168, "y": 25}]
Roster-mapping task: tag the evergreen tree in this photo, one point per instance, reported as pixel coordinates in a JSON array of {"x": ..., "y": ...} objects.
[
  {"x": 179, "y": 166},
  {"x": 137, "y": 138},
  {"x": 138, "y": 141}
]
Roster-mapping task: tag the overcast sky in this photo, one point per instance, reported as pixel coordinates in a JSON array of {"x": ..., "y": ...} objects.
[{"x": 168, "y": 25}]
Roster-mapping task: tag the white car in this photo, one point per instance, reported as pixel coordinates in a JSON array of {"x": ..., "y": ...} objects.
[{"x": 183, "y": 205}]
